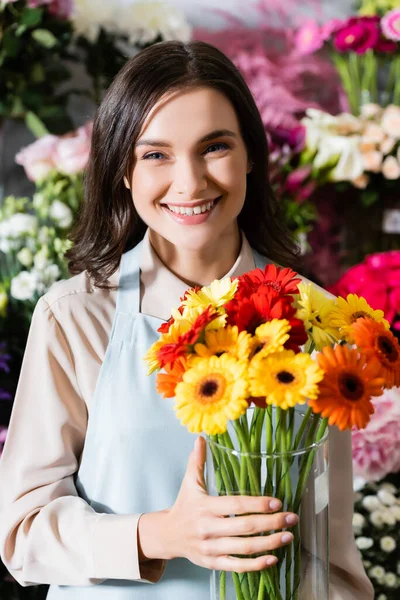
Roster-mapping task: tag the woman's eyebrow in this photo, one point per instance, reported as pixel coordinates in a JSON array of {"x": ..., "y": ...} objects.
[{"x": 206, "y": 138}]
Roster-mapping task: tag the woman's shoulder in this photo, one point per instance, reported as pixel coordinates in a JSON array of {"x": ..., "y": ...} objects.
[{"x": 79, "y": 288}]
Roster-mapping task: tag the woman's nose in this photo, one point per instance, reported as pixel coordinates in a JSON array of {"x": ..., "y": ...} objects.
[{"x": 189, "y": 178}]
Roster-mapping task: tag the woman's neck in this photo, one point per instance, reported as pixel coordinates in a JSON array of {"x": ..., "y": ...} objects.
[{"x": 196, "y": 267}]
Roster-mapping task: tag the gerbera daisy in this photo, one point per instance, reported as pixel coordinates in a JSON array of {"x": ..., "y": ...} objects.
[
  {"x": 167, "y": 382},
  {"x": 271, "y": 337},
  {"x": 277, "y": 279},
  {"x": 170, "y": 352},
  {"x": 226, "y": 340},
  {"x": 315, "y": 309},
  {"x": 213, "y": 391},
  {"x": 284, "y": 378},
  {"x": 346, "y": 312},
  {"x": 217, "y": 294},
  {"x": 250, "y": 313},
  {"x": 349, "y": 382},
  {"x": 381, "y": 345}
]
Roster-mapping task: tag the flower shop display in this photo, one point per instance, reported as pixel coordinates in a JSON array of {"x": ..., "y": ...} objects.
[
  {"x": 363, "y": 49},
  {"x": 36, "y": 35},
  {"x": 376, "y": 525},
  {"x": 231, "y": 358}
]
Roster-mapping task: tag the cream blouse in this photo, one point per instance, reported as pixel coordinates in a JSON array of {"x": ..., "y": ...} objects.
[{"x": 48, "y": 534}]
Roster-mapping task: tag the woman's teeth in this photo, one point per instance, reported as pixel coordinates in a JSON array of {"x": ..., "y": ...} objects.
[{"x": 188, "y": 210}]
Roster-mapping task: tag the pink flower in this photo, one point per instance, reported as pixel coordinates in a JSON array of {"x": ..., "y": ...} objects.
[
  {"x": 308, "y": 38},
  {"x": 330, "y": 27},
  {"x": 376, "y": 449},
  {"x": 390, "y": 24},
  {"x": 58, "y": 8},
  {"x": 72, "y": 151},
  {"x": 359, "y": 34},
  {"x": 38, "y": 158},
  {"x": 378, "y": 280},
  {"x": 297, "y": 177}
]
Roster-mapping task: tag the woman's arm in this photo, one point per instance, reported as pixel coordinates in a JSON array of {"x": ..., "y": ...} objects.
[{"x": 48, "y": 534}]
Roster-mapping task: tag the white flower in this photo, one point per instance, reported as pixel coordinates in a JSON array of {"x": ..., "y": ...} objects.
[
  {"x": 62, "y": 214},
  {"x": 144, "y": 22},
  {"x": 389, "y": 518},
  {"x": 382, "y": 597},
  {"x": 25, "y": 257},
  {"x": 387, "y": 543},
  {"x": 51, "y": 273},
  {"x": 376, "y": 518},
  {"x": 386, "y": 498},
  {"x": 371, "y": 503},
  {"x": 391, "y": 121},
  {"x": 370, "y": 110},
  {"x": 376, "y": 572},
  {"x": 18, "y": 225},
  {"x": 398, "y": 567},
  {"x": 358, "y": 522},
  {"x": 89, "y": 16},
  {"x": 389, "y": 487},
  {"x": 44, "y": 235},
  {"x": 41, "y": 259},
  {"x": 24, "y": 285},
  {"x": 364, "y": 543},
  {"x": 391, "y": 580}
]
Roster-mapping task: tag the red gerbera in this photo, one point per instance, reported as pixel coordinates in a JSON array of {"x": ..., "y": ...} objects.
[
  {"x": 281, "y": 281},
  {"x": 169, "y": 353},
  {"x": 247, "y": 314},
  {"x": 165, "y": 327},
  {"x": 298, "y": 335}
]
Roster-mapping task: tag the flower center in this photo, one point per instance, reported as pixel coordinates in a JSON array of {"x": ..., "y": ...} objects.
[
  {"x": 360, "y": 314},
  {"x": 350, "y": 39},
  {"x": 387, "y": 348},
  {"x": 211, "y": 388},
  {"x": 351, "y": 386},
  {"x": 285, "y": 377}
]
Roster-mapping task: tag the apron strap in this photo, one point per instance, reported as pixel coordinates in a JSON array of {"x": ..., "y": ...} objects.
[
  {"x": 128, "y": 297},
  {"x": 259, "y": 260}
]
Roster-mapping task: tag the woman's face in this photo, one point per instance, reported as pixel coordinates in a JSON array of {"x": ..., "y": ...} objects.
[{"x": 188, "y": 181}]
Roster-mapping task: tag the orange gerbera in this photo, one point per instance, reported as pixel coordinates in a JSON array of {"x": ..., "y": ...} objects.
[
  {"x": 381, "y": 345},
  {"x": 349, "y": 382},
  {"x": 167, "y": 382}
]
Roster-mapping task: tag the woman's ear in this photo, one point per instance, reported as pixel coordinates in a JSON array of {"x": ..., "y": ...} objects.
[
  {"x": 249, "y": 166},
  {"x": 126, "y": 182}
]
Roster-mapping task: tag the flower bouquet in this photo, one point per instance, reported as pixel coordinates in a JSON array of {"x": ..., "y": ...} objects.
[{"x": 231, "y": 357}]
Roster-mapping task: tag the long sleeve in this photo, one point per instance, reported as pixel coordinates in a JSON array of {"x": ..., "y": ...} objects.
[
  {"x": 48, "y": 534},
  {"x": 348, "y": 580}
]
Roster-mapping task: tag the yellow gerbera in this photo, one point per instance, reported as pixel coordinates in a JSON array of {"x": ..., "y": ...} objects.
[
  {"x": 315, "y": 309},
  {"x": 227, "y": 340},
  {"x": 213, "y": 391},
  {"x": 270, "y": 337},
  {"x": 217, "y": 294},
  {"x": 190, "y": 314},
  {"x": 285, "y": 378},
  {"x": 346, "y": 312},
  {"x": 177, "y": 328}
]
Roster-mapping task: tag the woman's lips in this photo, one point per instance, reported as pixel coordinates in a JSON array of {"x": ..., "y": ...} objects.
[{"x": 183, "y": 219}]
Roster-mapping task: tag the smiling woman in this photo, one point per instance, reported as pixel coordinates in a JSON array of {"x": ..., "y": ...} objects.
[
  {"x": 182, "y": 149},
  {"x": 113, "y": 497}
]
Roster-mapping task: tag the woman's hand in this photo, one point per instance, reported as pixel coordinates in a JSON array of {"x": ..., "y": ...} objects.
[{"x": 196, "y": 526}]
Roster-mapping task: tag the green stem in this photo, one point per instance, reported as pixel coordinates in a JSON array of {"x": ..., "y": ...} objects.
[
  {"x": 222, "y": 585},
  {"x": 238, "y": 587},
  {"x": 244, "y": 442},
  {"x": 269, "y": 430}
]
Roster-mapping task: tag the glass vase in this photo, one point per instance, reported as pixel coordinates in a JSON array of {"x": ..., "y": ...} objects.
[{"x": 281, "y": 454}]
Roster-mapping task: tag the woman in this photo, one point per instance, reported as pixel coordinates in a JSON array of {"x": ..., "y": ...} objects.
[{"x": 103, "y": 484}]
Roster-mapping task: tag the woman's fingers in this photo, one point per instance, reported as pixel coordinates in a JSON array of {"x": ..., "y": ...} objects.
[
  {"x": 252, "y": 524},
  {"x": 249, "y": 545},
  {"x": 224, "y": 506},
  {"x": 243, "y": 565}
]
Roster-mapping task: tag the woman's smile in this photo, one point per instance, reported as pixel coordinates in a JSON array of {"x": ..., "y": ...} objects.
[{"x": 194, "y": 213}]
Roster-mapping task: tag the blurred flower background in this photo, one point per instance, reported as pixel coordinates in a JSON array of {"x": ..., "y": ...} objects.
[{"x": 328, "y": 91}]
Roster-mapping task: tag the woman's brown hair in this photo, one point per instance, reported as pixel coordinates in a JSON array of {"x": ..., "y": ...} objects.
[{"x": 108, "y": 224}]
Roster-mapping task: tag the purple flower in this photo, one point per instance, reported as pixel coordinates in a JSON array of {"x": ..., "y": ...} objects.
[
  {"x": 4, "y": 358},
  {"x": 390, "y": 24},
  {"x": 358, "y": 34},
  {"x": 58, "y": 8}
]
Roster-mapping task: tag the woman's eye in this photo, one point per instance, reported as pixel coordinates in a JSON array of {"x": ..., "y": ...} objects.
[
  {"x": 153, "y": 156},
  {"x": 216, "y": 147}
]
